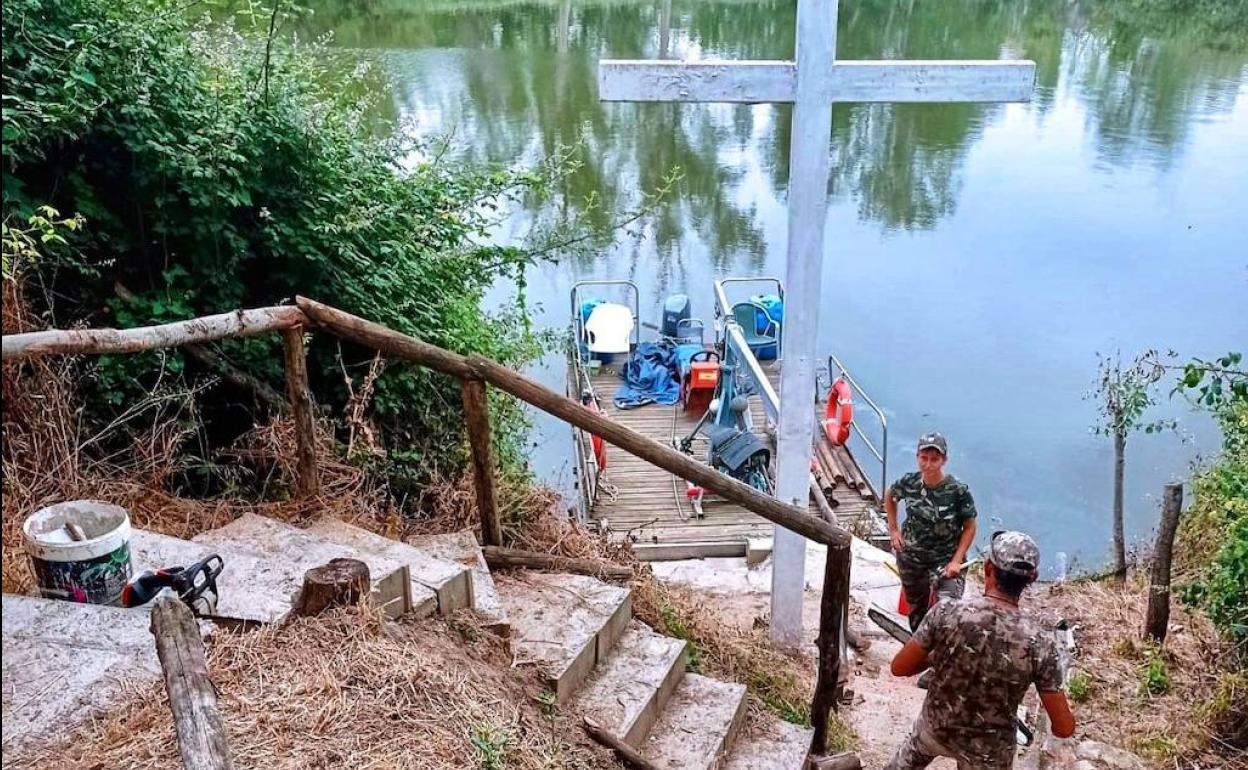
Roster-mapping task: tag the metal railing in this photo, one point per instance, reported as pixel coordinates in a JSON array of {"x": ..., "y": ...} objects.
[{"x": 881, "y": 453}]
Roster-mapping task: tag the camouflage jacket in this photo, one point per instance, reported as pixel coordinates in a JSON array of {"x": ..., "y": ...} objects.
[
  {"x": 984, "y": 656},
  {"x": 934, "y": 517}
]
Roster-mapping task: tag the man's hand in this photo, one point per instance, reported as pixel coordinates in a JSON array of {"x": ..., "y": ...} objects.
[
  {"x": 953, "y": 568},
  {"x": 899, "y": 544}
]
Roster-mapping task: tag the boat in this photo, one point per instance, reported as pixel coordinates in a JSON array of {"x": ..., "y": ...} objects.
[{"x": 710, "y": 390}]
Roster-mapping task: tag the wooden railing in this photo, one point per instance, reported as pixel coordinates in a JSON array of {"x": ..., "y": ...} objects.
[{"x": 474, "y": 372}]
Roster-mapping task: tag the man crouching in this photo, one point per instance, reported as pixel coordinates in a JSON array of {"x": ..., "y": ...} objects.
[{"x": 984, "y": 654}]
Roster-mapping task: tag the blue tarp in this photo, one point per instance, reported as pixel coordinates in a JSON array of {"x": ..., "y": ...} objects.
[{"x": 651, "y": 376}]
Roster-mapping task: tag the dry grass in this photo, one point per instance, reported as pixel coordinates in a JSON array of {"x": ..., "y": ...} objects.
[
  {"x": 1174, "y": 728},
  {"x": 345, "y": 690}
]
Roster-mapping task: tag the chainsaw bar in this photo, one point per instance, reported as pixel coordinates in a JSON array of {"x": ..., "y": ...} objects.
[{"x": 899, "y": 632}]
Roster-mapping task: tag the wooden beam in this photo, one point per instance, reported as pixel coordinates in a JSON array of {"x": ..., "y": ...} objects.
[
  {"x": 1157, "y": 618},
  {"x": 192, "y": 696},
  {"x": 788, "y": 516},
  {"x": 514, "y": 558},
  {"x": 832, "y": 603},
  {"x": 307, "y": 477},
  {"x": 380, "y": 338},
  {"x": 477, "y": 422},
  {"x": 753, "y": 82},
  {"x": 240, "y": 323},
  {"x": 648, "y": 80},
  {"x": 933, "y": 81}
]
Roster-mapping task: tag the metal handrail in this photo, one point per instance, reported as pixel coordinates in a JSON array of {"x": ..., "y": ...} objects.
[
  {"x": 734, "y": 343},
  {"x": 880, "y": 454}
]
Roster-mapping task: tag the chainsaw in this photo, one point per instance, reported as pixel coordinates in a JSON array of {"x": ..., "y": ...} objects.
[{"x": 195, "y": 585}]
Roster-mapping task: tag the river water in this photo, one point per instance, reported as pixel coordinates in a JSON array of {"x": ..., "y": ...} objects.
[{"x": 979, "y": 257}]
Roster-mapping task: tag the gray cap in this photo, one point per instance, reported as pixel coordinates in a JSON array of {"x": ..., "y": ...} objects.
[
  {"x": 933, "y": 441},
  {"x": 1014, "y": 552}
]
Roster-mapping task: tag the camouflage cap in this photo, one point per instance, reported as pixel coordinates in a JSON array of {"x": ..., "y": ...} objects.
[
  {"x": 933, "y": 441},
  {"x": 1014, "y": 552}
]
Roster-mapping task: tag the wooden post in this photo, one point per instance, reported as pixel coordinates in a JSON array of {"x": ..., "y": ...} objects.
[
  {"x": 477, "y": 420},
  {"x": 307, "y": 480},
  {"x": 342, "y": 582},
  {"x": 1158, "y": 616},
  {"x": 192, "y": 696},
  {"x": 832, "y": 607}
]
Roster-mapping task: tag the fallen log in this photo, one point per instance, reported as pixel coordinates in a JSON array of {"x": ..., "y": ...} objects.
[
  {"x": 498, "y": 557},
  {"x": 844, "y": 761},
  {"x": 192, "y": 695}
]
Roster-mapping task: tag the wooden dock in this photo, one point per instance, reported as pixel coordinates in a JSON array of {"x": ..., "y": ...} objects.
[{"x": 643, "y": 504}]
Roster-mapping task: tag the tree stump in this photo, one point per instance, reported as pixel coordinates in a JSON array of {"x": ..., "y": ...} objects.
[{"x": 341, "y": 582}]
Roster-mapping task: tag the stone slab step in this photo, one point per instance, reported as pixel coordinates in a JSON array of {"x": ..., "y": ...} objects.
[
  {"x": 252, "y": 588},
  {"x": 632, "y": 686},
  {"x": 771, "y": 744},
  {"x": 450, "y": 581},
  {"x": 461, "y": 548},
  {"x": 63, "y": 661},
  {"x": 564, "y": 624},
  {"x": 697, "y": 729},
  {"x": 302, "y": 550}
]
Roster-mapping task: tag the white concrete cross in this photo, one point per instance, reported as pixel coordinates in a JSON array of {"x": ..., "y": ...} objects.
[{"x": 812, "y": 84}]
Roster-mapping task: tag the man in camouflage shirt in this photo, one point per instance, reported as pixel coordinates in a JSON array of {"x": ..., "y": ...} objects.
[
  {"x": 938, "y": 530},
  {"x": 984, "y": 653}
]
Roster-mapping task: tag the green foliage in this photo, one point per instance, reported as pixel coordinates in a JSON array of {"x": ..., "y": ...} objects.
[
  {"x": 491, "y": 743},
  {"x": 219, "y": 169},
  {"x": 34, "y": 239},
  {"x": 1213, "y": 536},
  {"x": 1124, "y": 394},
  {"x": 1154, "y": 676},
  {"x": 1079, "y": 686}
]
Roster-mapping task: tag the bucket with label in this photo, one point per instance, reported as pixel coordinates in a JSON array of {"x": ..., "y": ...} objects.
[{"x": 79, "y": 551}]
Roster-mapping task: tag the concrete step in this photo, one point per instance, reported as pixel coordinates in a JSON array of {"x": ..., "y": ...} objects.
[
  {"x": 632, "y": 686},
  {"x": 771, "y": 744},
  {"x": 565, "y": 624},
  {"x": 278, "y": 543},
  {"x": 697, "y": 729},
  {"x": 63, "y": 661},
  {"x": 461, "y": 548},
  {"x": 252, "y": 588},
  {"x": 450, "y": 581}
]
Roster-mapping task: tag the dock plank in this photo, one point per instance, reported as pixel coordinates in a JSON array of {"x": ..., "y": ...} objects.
[{"x": 645, "y": 504}]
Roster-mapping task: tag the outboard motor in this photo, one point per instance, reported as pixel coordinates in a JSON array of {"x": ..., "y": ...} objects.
[{"x": 675, "y": 310}]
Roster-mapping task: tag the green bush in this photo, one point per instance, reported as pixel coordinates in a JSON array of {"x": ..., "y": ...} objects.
[
  {"x": 1079, "y": 687},
  {"x": 214, "y": 170}
]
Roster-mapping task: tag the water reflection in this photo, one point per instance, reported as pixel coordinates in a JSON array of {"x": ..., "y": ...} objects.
[{"x": 512, "y": 80}]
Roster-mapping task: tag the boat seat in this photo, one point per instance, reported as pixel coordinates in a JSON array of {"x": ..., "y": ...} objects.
[
  {"x": 609, "y": 329},
  {"x": 747, "y": 315}
]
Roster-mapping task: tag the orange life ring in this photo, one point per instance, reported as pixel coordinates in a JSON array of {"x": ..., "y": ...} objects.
[{"x": 840, "y": 414}]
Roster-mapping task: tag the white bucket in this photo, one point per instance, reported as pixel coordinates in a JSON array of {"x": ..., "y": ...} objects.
[{"x": 92, "y": 570}]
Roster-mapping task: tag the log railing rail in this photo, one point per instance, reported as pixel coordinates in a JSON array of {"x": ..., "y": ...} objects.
[{"x": 474, "y": 372}]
